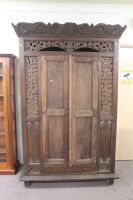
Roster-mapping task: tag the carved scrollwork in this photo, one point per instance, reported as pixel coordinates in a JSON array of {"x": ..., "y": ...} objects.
[
  {"x": 107, "y": 160},
  {"x": 31, "y": 73},
  {"x": 105, "y": 122},
  {"x": 36, "y": 45},
  {"x": 104, "y": 166},
  {"x": 106, "y": 86},
  {"x": 68, "y": 29},
  {"x": 34, "y": 169}
]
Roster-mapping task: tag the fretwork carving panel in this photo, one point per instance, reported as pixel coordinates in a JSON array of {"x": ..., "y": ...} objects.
[
  {"x": 106, "y": 86},
  {"x": 31, "y": 70},
  {"x": 101, "y": 46}
]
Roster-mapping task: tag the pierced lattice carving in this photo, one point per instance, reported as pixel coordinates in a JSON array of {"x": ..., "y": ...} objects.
[
  {"x": 106, "y": 86},
  {"x": 101, "y": 46},
  {"x": 31, "y": 70}
]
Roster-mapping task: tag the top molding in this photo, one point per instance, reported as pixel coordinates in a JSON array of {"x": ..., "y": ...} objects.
[{"x": 101, "y": 30}]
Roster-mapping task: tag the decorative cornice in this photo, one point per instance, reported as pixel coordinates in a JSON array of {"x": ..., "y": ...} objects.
[{"x": 101, "y": 30}]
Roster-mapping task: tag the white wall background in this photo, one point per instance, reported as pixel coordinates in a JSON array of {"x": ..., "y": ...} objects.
[{"x": 78, "y": 13}]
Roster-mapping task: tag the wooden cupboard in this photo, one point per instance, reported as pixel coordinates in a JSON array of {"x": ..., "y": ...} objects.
[
  {"x": 69, "y": 100},
  {"x": 7, "y": 115}
]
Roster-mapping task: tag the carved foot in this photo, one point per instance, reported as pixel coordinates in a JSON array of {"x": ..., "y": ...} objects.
[
  {"x": 110, "y": 181},
  {"x": 27, "y": 184}
]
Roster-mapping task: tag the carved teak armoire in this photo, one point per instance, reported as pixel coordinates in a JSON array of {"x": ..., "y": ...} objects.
[{"x": 69, "y": 100}]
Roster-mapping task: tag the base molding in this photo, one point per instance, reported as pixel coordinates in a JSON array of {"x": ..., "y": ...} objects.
[{"x": 68, "y": 178}]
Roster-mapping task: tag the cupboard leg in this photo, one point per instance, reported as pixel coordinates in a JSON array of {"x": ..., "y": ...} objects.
[
  {"x": 111, "y": 181},
  {"x": 27, "y": 184}
]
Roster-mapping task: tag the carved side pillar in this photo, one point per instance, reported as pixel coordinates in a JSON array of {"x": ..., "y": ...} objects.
[
  {"x": 32, "y": 113},
  {"x": 106, "y": 105}
]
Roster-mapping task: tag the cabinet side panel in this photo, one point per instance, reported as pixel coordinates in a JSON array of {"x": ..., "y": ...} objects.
[
  {"x": 106, "y": 113},
  {"x": 13, "y": 109},
  {"x": 10, "y": 110},
  {"x": 115, "y": 100},
  {"x": 32, "y": 111}
]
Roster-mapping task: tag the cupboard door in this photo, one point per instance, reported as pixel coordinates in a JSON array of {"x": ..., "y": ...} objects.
[
  {"x": 54, "y": 82},
  {"x": 83, "y": 109}
]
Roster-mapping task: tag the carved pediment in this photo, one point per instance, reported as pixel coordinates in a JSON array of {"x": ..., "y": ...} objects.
[{"x": 69, "y": 29}]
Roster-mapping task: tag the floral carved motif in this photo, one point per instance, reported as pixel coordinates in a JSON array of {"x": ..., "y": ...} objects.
[
  {"x": 34, "y": 169},
  {"x": 101, "y": 46},
  {"x": 106, "y": 86},
  {"x": 31, "y": 71},
  {"x": 104, "y": 167}
]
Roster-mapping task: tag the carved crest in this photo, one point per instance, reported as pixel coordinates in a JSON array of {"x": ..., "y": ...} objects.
[{"x": 68, "y": 29}]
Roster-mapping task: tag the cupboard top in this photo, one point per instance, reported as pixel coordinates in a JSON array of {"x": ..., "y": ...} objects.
[{"x": 101, "y": 30}]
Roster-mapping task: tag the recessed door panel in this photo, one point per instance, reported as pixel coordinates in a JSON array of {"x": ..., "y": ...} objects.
[
  {"x": 55, "y": 84},
  {"x": 55, "y": 138},
  {"x": 83, "y": 86}
]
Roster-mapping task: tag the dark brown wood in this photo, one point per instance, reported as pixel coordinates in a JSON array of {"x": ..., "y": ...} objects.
[
  {"x": 62, "y": 178},
  {"x": 114, "y": 108},
  {"x": 84, "y": 105},
  {"x": 8, "y": 154},
  {"x": 68, "y": 29},
  {"x": 23, "y": 107},
  {"x": 69, "y": 78},
  {"x": 54, "y": 73},
  {"x": 110, "y": 181}
]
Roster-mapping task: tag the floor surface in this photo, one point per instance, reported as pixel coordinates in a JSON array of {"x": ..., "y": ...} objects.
[{"x": 122, "y": 189}]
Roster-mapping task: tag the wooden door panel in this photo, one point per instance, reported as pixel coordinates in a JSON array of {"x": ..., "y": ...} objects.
[
  {"x": 84, "y": 109},
  {"x": 83, "y": 86},
  {"x": 55, "y": 138},
  {"x": 55, "y": 84},
  {"x": 55, "y": 112},
  {"x": 55, "y": 109},
  {"x": 83, "y": 138}
]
